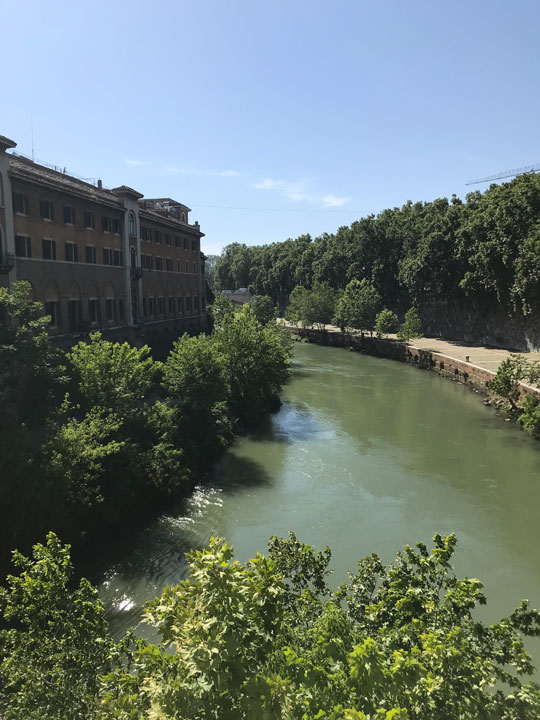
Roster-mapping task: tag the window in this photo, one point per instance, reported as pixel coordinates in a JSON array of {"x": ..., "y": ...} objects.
[
  {"x": 23, "y": 246},
  {"x": 116, "y": 226},
  {"x": 131, "y": 225},
  {"x": 181, "y": 305},
  {"x": 161, "y": 306},
  {"x": 121, "y": 309},
  {"x": 185, "y": 243},
  {"x": 107, "y": 256},
  {"x": 187, "y": 266},
  {"x": 183, "y": 217},
  {"x": 51, "y": 308},
  {"x": 93, "y": 311},
  {"x": 193, "y": 245},
  {"x": 49, "y": 249},
  {"x": 157, "y": 237},
  {"x": 69, "y": 215},
  {"x": 118, "y": 258},
  {"x": 146, "y": 234},
  {"x": 151, "y": 307},
  {"x": 20, "y": 204},
  {"x": 196, "y": 303},
  {"x": 144, "y": 307},
  {"x": 188, "y": 305},
  {"x": 168, "y": 265},
  {"x": 149, "y": 262},
  {"x": 106, "y": 224},
  {"x": 171, "y": 306},
  {"x": 194, "y": 267},
  {"x": 176, "y": 241},
  {"x": 167, "y": 239},
  {"x": 109, "y": 309},
  {"x": 159, "y": 263},
  {"x": 74, "y": 315},
  {"x": 71, "y": 252},
  {"x": 46, "y": 210},
  {"x": 89, "y": 220},
  {"x": 91, "y": 254},
  {"x": 178, "y": 266}
]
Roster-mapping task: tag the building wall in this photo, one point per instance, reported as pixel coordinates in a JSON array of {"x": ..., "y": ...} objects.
[{"x": 116, "y": 281}]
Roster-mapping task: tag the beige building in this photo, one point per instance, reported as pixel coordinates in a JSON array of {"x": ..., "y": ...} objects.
[{"x": 98, "y": 258}]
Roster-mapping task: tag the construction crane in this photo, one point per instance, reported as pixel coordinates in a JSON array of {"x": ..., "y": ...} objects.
[{"x": 507, "y": 174}]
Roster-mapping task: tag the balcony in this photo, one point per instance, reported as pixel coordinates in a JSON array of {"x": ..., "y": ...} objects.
[
  {"x": 7, "y": 263},
  {"x": 136, "y": 272}
]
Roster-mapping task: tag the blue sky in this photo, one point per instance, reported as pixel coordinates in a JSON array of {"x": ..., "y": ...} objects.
[{"x": 275, "y": 119}]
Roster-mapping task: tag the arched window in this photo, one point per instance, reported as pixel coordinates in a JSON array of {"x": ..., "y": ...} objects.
[
  {"x": 183, "y": 217},
  {"x": 131, "y": 225}
]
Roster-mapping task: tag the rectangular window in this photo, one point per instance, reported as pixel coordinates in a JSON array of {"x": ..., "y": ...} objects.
[
  {"x": 149, "y": 262},
  {"x": 159, "y": 263},
  {"x": 194, "y": 268},
  {"x": 196, "y": 303},
  {"x": 193, "y": 245},
  {"x": 167, "y": 239},
  {"x": 109, "y": 309},
  {"x": 91, "y": 254},
  {"x": 46, "y": 210},
  {"x": 169, "y": 265},
  {"x": 176, "y": 241},
  {"x": 187, "y": 266},
  {"x": 121, "y": 309},
  {"x": 107, "y": 256},
  {"x": 171, "y": 306},
  {"x": 144, "y": 307},
  {"x": 106, "y": 224},
  {"x": 151, "y": 306},
  {"x": 185, "y": 243},
  {"x": 20, "y": 204},
  {"x": 23, "y": 246},
  {"x": 116, "y": 226},
  {"x": 89, "y": 220},
  {"x": 51, "y": 308},
  {"x": 71, "y": 252},
  {"x": 69, "y": 215},
  {"x": 178, "y": 266},
  {"x": 161, "y": 306},
  {"x": 188, "y": 305},
  {"x": 131, "y": 225},
  {"x": 118, "y": 258},
  {"x": 180, "y": 305},
  {"x": 157, "y": 237},
  {"x": 93, "y": 310},
  {"x": 49, "y": 249}
]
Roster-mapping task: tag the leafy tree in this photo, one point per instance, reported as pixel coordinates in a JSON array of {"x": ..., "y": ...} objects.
[
  {"x": 386, "y": 322},
  {"x": 357, "y": 308},
  {"x": 263, "y": 308},
  {"x": 411, "y": 327},
  {"x": 298, "y": 309},
  {"x": 510, "y": 373},
  {"x": 54, "y": 642},
  {"x": 322, "y": 302},
  {"x": 220, "y": 309},
  {"x": 530, "y": 417}
]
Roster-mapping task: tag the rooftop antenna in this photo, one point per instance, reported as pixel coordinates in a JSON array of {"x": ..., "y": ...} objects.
[{"x": 507, "y": 174}]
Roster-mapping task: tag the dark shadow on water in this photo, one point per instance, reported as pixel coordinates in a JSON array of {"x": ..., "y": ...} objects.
[{"x": 234, "y": 473}]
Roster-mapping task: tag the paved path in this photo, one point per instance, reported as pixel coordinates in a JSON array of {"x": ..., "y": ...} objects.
[{"x": 484, "y": 357}]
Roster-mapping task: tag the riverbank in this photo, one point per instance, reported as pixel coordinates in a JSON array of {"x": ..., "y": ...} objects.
[{"x": 468, "y": 364}]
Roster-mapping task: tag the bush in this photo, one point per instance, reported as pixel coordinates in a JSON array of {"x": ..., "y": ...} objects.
[{"x": 386, "y": 322}]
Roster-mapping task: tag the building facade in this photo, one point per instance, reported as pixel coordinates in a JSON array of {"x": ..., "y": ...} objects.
[{"x": 99, "y": 259}]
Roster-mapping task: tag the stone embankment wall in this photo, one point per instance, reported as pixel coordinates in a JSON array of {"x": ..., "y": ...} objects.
[
  {"x": 456, "y": 370},
  {"x": 481, "y": 324}
]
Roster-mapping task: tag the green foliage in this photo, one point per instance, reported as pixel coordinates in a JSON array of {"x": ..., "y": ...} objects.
[
  {"x": 386, "y": 322},
  {"x": 358, "y": 306},
  {"x": 509, "y": 374},
  {"x": 220, "y": 309},
  {"x": 530, "y": 417},
  {"x": 298, "y": 309},
  {"x": 54, "y": 643},
  {"x": 111, "y": 374},
  {"x": 411, "y": 327},
  {"x": 263, "y": 308},
  {"x": 268, "y": 639}
]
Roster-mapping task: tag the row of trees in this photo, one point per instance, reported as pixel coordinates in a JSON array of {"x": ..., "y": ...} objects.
[
  {"x": 267, "y": 639},
  {"x": 487, "y": 247},
  {"x": 95, "y": 435},
  {"x": 357, "y": 308}
]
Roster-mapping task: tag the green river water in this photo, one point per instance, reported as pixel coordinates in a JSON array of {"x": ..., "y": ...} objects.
[{"x": 365, "y": 455}]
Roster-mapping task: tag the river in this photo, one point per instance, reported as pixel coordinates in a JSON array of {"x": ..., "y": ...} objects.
[{"x": 364, "y": 455}]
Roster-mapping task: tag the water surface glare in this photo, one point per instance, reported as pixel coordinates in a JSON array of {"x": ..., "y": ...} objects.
[{"x": 365, "y": 455}]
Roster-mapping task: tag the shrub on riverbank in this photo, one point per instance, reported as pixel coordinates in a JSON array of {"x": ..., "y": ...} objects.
[
  {"x": 94, "y": 436},
  {"x": 268, "y": 639}
]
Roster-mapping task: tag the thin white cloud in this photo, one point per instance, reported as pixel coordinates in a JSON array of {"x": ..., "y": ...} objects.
[
  {"x": 334, "y": 201},
  {"x": 299, "y": 191},
  {"x": 136, "y": 163},
  {"x": 224, "y": 173},
  {"x": 173, "y": 169}
]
